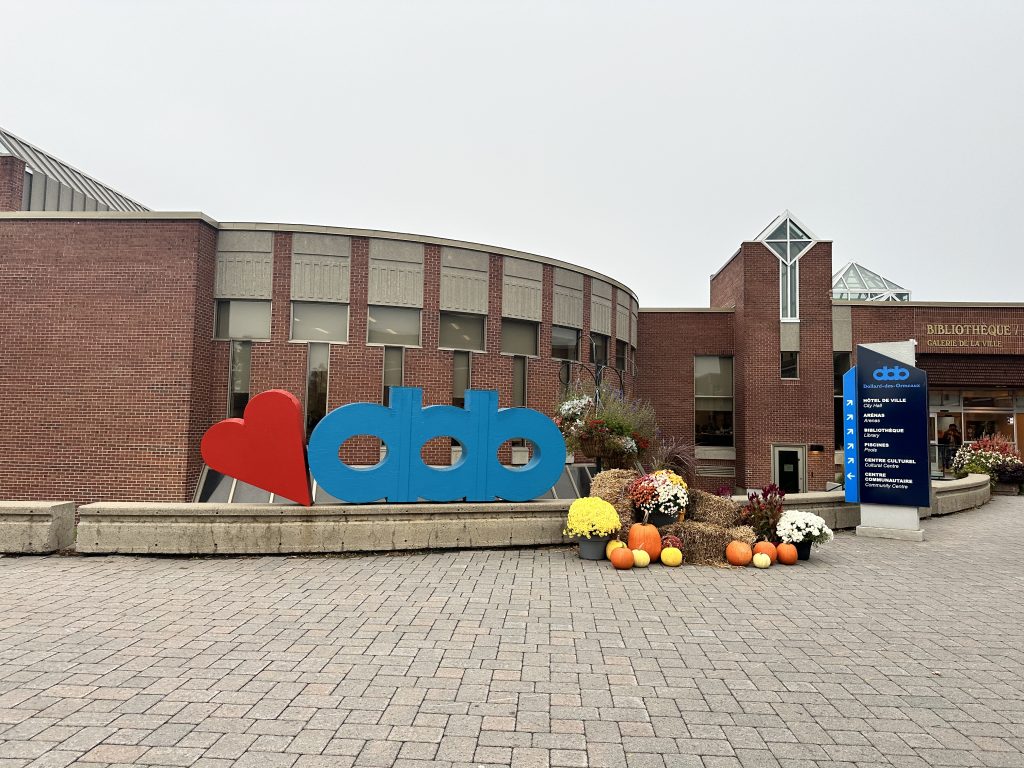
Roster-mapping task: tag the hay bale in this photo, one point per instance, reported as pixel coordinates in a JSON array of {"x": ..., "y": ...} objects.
[
  {"x": 611, "y": 485},
  {"x": 705, "y": 543},
  {"x": 709, "y": 508}
]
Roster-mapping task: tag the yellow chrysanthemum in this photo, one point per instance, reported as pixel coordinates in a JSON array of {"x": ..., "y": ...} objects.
[{"x": 591, "y": 516}]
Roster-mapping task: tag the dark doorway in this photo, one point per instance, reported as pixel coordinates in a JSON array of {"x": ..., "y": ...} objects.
[{"x": 788, "y": 469}]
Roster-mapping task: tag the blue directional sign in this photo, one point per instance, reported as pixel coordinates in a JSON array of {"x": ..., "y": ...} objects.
[
  {"x": 890, "y": 411},
  {"x": 851, "y": 432}
]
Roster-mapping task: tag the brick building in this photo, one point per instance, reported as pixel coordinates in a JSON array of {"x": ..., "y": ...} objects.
[{"x": 125, "y": 333}]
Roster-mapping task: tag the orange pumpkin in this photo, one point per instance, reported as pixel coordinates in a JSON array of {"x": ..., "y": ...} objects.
[
  {"x": 646, "y": 537},
  {"x": 787, "y": 554},
  {"x": 767, "y": 548},
  {"x": 738, "y": 553},
  {"x": 622, "y": 558}
]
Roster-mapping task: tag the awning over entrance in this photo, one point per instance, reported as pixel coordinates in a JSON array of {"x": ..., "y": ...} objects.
[{"x": 973, "y": 370}]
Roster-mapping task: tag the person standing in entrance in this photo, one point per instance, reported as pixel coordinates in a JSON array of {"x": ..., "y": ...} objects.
[{"x": 951, "y": 442}]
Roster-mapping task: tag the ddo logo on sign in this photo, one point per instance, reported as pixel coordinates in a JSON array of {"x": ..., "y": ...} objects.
[
  {"x": 894, "y": 373},
  {"x": 266, "y": 449}
]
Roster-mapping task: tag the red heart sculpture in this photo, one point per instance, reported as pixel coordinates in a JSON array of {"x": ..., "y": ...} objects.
[{"x": 266, "y": 448}]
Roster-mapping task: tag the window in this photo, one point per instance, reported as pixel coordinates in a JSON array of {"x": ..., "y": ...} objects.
[
  {"x": 319, "y": 321},
  {"x": 621, "y": 354},
  {"x": 238, "y": 378},
  {"x": 393, "y": 326},
  {"x": 840, "y": 365},
  {"x": 394, "y": 363},
  {"x": 318, "y": 360},
  {"x": 519, "y": 382},
  {"x": 713, "y": 401},
  {"x": 565, "y": 343},
  {"x": 600, "y": 348},
  {"x": 461, "y": 331},
  {"x": 788, "y": 242},
  {"x": 790, "y": 368},
  {"x": 242, "y": 319},
  {"x": 461, "y": 362},
  {"x": 519, "y": 337}
]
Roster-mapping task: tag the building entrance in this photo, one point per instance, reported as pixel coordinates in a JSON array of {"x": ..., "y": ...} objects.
[{"x": 788, "y": 463}]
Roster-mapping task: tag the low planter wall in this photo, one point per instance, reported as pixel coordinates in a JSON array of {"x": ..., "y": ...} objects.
[
  {"x": 206, "y": 529},
  {"x": 948, "y": 496},
  {"x": 36, "y": 527}
]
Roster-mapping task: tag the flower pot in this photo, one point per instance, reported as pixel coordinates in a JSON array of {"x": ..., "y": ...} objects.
[
  {"x": 803, "y": 550},
  {"x": 1005, "y": 489},
  {"x": 593, "y": 548},
  {"x": 658, "y": 519}
]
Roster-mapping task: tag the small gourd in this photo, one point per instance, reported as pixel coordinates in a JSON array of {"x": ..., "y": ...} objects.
[
  {"x": 738, "y": 553},
  {"x": 761, "y": 560},
  {"x": 671, "y": 556},
  {"x": 767, "y": 548},
  {"x": 787, "y": 554},
  {"x": 622, "y": 558}
]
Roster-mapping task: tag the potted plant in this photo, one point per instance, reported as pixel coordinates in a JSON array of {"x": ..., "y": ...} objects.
[
  {"x": 661, "y": 497},
  {"x": 609, "y": 427},
  {"x": 763, "y": 512},
  {"x": 1009, "y": 477},
  {"x": 591, "y": 522},
  {"x": 803, "y": 529}
]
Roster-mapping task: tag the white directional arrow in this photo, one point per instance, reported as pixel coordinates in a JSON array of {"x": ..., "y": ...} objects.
[
  {"x": 850, "y": 460},
  {"x": 849, "y": 417},
  {"x": 849, "y": 431},
  {"x": 851, "y": 446},
  {"x": 850, "y": 475},
  {"x": 849, "y": 402}
]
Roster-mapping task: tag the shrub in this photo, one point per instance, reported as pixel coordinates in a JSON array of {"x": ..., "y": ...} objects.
[{"x": 763, "y": 512}]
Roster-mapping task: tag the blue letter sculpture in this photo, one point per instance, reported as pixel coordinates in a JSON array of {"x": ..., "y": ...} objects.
[{"x": 481, "y": 427}]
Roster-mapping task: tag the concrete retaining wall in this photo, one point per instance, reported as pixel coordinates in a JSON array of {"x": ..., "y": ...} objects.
[
  {"x": 195, "y": 529},
  {"x": 36, "y": 527},
  {"x": 948, "y": 496}
]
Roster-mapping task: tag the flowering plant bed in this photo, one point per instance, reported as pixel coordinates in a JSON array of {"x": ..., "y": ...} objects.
[{"x": 994, "y": 456}]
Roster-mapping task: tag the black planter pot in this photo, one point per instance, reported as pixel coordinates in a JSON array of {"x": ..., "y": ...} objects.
[
  {"x": 658, "y": 519},
  {"x": 803, "y": 550}
]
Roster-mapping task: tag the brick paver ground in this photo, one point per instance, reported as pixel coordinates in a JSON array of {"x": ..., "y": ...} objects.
[{"x": 873, "y": 653}]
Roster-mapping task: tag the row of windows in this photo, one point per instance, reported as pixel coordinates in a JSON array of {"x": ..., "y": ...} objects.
[{"x": 400, "y": 327}]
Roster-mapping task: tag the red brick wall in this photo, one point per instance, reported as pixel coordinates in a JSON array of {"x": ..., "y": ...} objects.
[
  {"x": 12, "y": 183},
  {"x": 671, "y": 340},
  {"x": 106, "y": 332},
  {"x": 771, "y": 409}
]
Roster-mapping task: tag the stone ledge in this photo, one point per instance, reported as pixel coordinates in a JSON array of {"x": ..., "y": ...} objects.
[
  {"x": 36, "y": 527},
  {"x": 206, "y": 529}
]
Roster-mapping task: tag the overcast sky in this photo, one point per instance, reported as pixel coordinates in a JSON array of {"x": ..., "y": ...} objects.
[{"x": 642, "y": 139}]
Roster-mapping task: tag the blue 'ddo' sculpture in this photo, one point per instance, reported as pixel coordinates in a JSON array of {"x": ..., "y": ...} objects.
[{"x": 406, "y": 426}]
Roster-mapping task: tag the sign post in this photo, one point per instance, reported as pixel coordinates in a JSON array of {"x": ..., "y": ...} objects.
[{"x": 886, "y": 463}]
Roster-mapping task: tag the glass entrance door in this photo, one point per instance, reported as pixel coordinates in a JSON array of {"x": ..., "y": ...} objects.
[{"x": 789, "y": 461}]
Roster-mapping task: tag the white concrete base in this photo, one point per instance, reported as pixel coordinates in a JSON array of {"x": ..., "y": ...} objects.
[
  {"x": 890, "y": 533},
  {"x": 36, "y": 527}
]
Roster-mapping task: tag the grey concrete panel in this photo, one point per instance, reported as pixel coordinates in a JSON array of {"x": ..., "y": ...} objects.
[
  {"x": 321, "y": 245},
  {"x": 396, "y": 250},
  {"x": 465, "y": 259},
  {"x": 245, "y": 241},
  {"x": 842, "y": 329},
  {"x": 568, "y": 279},
  {"x": 36, "y": 527},
  {"x": 530, "y": 270},
  {"x": 789, "y": 337},
  {"x": 600, "y": 288}
]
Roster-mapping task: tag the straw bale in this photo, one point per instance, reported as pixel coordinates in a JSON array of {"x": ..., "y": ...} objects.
[
  {"x": 705, "y": 543},
  {"x": 709, "y": 508},
  {"x": 612, "y": 486}
]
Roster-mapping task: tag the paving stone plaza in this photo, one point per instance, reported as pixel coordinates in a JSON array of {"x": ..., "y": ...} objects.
[{"x": 873, "y": 653}]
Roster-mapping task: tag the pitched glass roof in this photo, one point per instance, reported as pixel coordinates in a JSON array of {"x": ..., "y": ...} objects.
[{"x": 858, "y": 283}]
